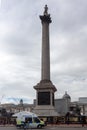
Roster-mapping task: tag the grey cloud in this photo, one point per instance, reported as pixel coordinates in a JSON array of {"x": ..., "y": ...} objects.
[
  {"x": 68, "y": 16},
  {"x": 20, "y": 46}
]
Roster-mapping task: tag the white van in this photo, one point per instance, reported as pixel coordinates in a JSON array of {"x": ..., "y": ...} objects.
[{"x": 28, "y": 120}]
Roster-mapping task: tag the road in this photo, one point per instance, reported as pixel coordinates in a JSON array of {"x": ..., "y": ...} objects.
[{"x": 47, "y": 128}]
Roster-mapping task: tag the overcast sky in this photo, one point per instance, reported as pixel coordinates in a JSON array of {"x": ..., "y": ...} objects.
[{"x": 20, "y": 48}]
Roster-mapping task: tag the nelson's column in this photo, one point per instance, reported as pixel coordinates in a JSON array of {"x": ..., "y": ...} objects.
[{"x": 45, "y": 89}]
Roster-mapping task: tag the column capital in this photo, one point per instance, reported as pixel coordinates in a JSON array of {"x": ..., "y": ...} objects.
[{"x": 45, "y": 17}]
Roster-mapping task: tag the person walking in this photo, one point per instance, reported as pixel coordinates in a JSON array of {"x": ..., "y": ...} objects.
[{"x": 83, "y": 119}]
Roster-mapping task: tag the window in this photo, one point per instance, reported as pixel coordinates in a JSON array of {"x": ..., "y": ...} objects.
[{"x": 36, "y": 120}]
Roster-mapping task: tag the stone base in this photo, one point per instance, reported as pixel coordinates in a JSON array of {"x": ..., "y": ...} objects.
[
  {"x": 45, "y": 85},
  {"x": 44, "y": 108},
  {"x": 45, "y": 111}
]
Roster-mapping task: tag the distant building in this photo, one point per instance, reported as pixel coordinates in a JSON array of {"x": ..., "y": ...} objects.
[
  {"x": 83, "y": 105},
  {"x": 17, "y": 108},
  {"x": 62, "y": 105}
]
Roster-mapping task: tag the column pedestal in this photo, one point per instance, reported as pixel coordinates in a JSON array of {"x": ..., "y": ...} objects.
[{"x": 45, "y": 99}]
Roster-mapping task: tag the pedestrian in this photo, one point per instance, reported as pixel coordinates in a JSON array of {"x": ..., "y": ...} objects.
[{"x": 83, "y": 120}]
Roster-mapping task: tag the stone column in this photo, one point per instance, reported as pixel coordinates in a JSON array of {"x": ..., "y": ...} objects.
[
  {"x": 45, "y": 88},
  {"x": 45, "y": 19}
]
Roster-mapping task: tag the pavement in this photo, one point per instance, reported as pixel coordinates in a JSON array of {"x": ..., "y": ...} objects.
[
  {"x": 55, "y": 125},
  {"x": 67, "y": 125}
]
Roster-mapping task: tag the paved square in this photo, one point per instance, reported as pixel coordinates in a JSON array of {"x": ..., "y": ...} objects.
[{"x": 47, "y": 128}]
